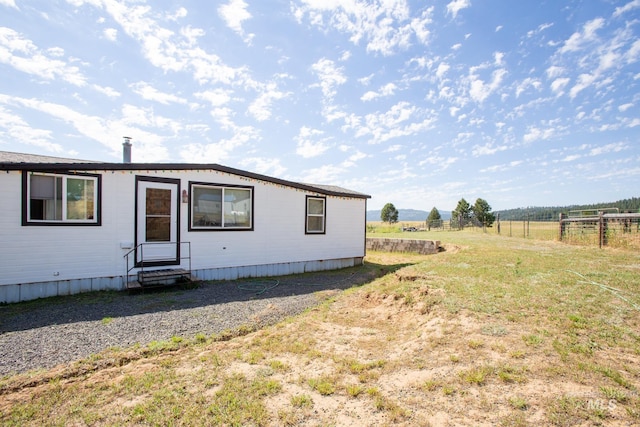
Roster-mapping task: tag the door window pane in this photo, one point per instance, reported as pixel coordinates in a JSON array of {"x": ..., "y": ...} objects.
[
  {"x": 158, "y": 229},
  {"x": 158, "y": 215},
  {"x": 158, "y": 201}
]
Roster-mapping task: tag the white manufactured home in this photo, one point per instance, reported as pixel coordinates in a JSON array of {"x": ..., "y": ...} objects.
[{"x": 72, "y": 226}]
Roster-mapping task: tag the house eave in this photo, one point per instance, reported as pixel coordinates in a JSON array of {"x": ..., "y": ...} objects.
[{"x": 97, "y": 166}]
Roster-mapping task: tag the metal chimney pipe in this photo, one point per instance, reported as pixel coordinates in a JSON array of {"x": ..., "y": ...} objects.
[{"x": 126, "y": 150}]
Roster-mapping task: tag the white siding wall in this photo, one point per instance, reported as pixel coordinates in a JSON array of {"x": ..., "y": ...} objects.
[
  {"x": 43, "y": 254},
  {"x": 47, "y": 253},
  {"x": 279, "y": 230}
]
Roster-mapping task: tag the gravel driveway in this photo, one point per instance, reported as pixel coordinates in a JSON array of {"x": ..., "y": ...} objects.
[{"x": 47, "y": 332}]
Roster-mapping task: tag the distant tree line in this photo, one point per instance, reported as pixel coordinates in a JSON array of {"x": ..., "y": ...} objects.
[
  {"x": 464, "y": 214},
  {"x": 552, "y": 213},
  {"x": 479, "y": 214}
]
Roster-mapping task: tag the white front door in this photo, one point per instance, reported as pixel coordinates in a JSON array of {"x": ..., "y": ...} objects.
[{"x": 157, "y": 235}]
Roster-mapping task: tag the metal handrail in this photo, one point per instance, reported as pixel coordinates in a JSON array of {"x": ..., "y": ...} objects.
[{"x": 141, "y": 264}]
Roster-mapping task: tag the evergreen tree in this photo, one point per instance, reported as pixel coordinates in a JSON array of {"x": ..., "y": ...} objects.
[
  {"x": 482, "y": 212},
  {"x": 434, "y": 219},
  {"x": 389, "y": 213},
  {"x": 461, "y": 214}
]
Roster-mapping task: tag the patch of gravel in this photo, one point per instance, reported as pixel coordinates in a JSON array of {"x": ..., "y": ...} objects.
[{"x": 47, "y": 332}]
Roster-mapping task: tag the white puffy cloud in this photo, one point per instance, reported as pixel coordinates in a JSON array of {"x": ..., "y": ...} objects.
[
  {"x": 443, "y": 67},
  {"x": 487, "y": 149},
  {"x": 385, "y": 26},
  {"x": 554, "y": 71},
  {"x": 215, "y": 97},
  {"x": 633, "y": 53},
  {"x": 385, "y": 91},
  {"x": 23, "y": 55},
  {"x": 624, "y": 107},
  {"x": 108, "y": 91},
  {"x": 102, "y": 129},
  {"x": 584, "y": 81},
  {"x": 614, "y": 147},
  {"x": 620, "y": 10},
  {"x": 502, "y": 167},
  {"x": 402, "y": 119},
  {"x": 528, "y": 82},
  {"x": 234, "y": 14},
  {"x": 146, "y": 91},
  {"x": 260, "y": 108},
  {"x": 16, "y": 129},
  {"x": 264, "y": 165},
  {"x": 330, "y": 76},
  {"x": 180, "y": 13},
  {"x": 558, "y": 85},
  {"x": 221, "y": 150},
  {"x": 538, "y": 30},
  {"x": 110, "y": 34},
  {"x": 456, "y": 6},
  {"x": 169, "y": 50},
  {"x": 578, "y": 39},
  {"x": 479, "y": 90},
  {"x": 310, "y": 142},
  {"x": 328, "y": 173},
  {"x": 534, "y": 134},
  {"x": 9, "y": 3}
]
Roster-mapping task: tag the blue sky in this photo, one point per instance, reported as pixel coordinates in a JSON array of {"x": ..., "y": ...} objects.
[{"x": 417, "y": 103}]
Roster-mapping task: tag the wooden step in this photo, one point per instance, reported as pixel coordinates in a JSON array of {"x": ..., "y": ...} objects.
[
  {"x": 171, "y": 276},
  {"x": 133, "y": 285}
]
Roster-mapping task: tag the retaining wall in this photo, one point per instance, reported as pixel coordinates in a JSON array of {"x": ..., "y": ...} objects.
[{"x": 424, "y": 247}]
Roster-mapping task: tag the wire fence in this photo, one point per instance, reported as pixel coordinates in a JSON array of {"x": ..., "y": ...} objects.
[{"x": 612, "y": 229}]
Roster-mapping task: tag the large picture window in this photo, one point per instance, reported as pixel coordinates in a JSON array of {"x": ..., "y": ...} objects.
[
  {"x": 316, "y": 215},
  {"x": 61, "y": 199},
  {"x": 218, "y": 207}
]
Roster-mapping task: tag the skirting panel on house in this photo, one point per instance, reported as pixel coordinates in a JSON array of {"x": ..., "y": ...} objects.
[
  {"x": 31, "y": 291},
  {"x": 268, "y": 270}
]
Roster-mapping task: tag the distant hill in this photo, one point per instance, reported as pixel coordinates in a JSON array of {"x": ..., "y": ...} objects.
[
  {"x": 533, "y": 213},
  {"x": 547, "y": 213},
  {"x": 408, "y": 215}
]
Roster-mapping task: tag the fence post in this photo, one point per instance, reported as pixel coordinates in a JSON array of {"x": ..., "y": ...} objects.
[
  {"x": 561, "y": 227},
  {"x": 602, "y": 226}
]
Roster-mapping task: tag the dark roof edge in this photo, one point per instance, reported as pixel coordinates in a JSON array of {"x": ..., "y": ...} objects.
[{"x": 60, "y": 167}]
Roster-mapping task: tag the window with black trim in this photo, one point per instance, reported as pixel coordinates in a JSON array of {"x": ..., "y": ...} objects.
[
  {"x": 316, "y": 215},
  {"x": 221, "y": 207},
  {"x": 53, "y": 199}
]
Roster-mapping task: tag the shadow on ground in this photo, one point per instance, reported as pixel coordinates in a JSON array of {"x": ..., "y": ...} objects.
[{"x": 95, "y": 306}]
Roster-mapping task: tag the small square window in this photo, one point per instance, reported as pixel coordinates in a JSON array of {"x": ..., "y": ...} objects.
[{"x": 316, "y": 215}]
